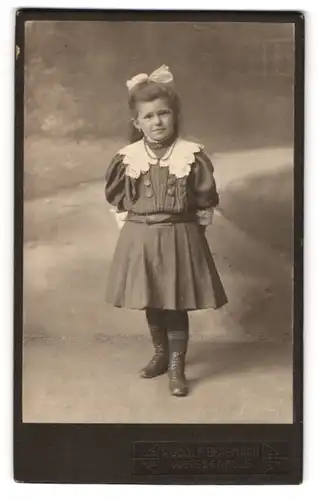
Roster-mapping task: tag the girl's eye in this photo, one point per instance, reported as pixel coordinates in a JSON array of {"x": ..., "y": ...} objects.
[{"x": 164, "y": 112}]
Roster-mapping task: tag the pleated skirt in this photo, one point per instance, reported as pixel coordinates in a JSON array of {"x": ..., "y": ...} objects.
[{"x": 164, "y": 266}]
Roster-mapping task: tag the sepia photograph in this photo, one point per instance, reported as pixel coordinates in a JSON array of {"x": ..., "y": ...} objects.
[{"x": 158, "y": 222}]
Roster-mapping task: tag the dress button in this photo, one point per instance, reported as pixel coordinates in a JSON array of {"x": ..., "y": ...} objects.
[
  {"x": 147, "y": 182},
  {"x": 183, "y": 181}
]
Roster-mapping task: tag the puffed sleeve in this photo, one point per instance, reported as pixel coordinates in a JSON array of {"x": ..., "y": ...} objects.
[
  {"x": 203, "y": 182},
  {"x": 119, "y": 189}
]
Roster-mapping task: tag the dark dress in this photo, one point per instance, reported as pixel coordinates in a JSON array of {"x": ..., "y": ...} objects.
[{"x": 164, "y": 264}]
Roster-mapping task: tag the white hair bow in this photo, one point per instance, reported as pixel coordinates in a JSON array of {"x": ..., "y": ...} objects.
[{"x": 160, "y": 75}]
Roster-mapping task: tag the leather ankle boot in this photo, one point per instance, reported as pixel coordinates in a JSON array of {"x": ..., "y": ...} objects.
[
  {"x": 177, "y": 382},
  {"x": 160, "y": 360}
]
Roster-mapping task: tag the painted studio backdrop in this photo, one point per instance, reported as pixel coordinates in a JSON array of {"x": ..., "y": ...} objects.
[{"x": 81, "y": 356}]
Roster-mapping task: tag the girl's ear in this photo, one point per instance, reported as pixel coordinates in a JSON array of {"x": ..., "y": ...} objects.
[{"x": 135, "y": 123}]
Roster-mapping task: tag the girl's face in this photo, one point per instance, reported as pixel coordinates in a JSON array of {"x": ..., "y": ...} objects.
[{"x": 155, "y": 119}]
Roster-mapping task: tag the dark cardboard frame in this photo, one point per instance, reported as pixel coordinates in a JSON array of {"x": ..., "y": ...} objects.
[{"x": 141, "y": 453}]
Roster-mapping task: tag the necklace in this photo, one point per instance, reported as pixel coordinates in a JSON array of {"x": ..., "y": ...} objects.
[
  {"x": 160, "y": 144},
  {"x": 164, "y": 157}
]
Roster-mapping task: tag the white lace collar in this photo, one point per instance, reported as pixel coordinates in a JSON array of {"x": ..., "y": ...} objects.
[{"x": 179, "y": 160}]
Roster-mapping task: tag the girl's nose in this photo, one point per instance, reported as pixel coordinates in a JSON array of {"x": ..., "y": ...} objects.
[{"x": 157, "y": 119}]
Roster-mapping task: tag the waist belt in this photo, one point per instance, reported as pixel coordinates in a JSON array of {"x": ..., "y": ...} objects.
[{"x": 161, "y": 218}]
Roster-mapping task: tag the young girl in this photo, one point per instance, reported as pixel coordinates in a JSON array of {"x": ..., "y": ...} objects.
[{"x": 164, "y": 192}]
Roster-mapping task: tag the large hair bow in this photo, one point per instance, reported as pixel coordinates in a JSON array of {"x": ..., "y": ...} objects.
[{"x": 160, "y": 75}]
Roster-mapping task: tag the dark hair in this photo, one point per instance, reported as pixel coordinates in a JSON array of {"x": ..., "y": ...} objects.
[{"x": 149, "y": 91}]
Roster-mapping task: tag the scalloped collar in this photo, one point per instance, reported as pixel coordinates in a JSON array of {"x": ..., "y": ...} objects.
[{"x": 179, "y": 162}]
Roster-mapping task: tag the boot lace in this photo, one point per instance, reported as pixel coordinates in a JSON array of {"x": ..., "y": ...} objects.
[{"x": 175, "y": 365}]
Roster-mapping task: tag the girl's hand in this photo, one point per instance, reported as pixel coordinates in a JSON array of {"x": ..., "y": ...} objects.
[{"x": 119, "y": 216}]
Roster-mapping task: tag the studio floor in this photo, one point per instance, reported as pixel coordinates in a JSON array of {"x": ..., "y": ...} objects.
[{"x": 98, "y": 381}]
